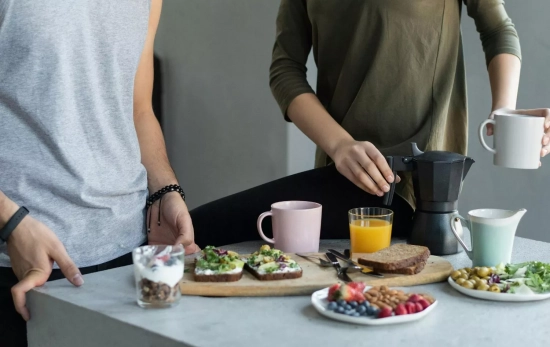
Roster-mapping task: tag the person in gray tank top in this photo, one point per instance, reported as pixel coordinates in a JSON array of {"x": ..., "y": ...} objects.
[{"x": 80, "y": 146}]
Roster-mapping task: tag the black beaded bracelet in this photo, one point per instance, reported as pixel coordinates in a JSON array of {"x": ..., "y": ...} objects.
[{"x": 158, "y": 196}]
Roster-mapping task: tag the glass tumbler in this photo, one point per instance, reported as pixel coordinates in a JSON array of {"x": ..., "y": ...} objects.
[
  {"x": 158, "y": 272},
  {"x": 370, "y": 229}
]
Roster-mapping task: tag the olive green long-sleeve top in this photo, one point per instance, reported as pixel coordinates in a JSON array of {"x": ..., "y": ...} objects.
[{"x": 389, "y": 71}]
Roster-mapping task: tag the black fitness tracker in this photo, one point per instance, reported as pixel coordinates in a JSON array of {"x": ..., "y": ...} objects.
[{"x": 14, "y": 221}]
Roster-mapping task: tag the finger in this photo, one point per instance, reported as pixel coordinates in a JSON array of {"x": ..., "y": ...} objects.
[
  {"x": 361, "y": 176},
  {"x": 381, "y": 172},
  {"x": 186, "y": 234},
  {"x": 346, "y": 172},
  {"x": 538, "y": 112},
  {"x": 31, "y": 280},
  {"x": 490, "y": 129},
  {"x": 544, "y": 151},
  {"x": 191, "y": 249},
  {"x": 67, "y": 266},
  {"x": 398, "y": 179}
]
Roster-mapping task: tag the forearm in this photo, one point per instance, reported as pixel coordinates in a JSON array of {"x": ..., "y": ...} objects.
[
  {"x": 7, "y": 209},
  {"x": 153, "y": 152},
  {"x": 309, "y": 115},
  {"x": 504, "y": 74}
]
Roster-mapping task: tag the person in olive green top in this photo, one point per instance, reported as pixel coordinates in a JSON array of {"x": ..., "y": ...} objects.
[{"x": 390, "y": 72}]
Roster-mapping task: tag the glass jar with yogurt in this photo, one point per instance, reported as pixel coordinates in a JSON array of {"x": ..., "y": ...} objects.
[{"x": 158, "y": 272}]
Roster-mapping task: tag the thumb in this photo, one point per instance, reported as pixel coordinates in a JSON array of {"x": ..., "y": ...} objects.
[
  {"x": 67, "y": 266},
  {"x": 33, "y": 278},
  {"x": 184, "y": 230}
]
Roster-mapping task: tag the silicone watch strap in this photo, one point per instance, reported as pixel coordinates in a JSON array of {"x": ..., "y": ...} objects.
[{"x": 14, "y": 221}]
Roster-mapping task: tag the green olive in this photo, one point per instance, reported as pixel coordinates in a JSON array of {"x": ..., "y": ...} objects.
[
  {"x": 484, "y": 271},
  {"x": 467, "y": 269},
  {"x": 455, "y": 274},
  {"x": 460, "y": 280},
  {"x": 482, "y": 286},
  {"x": 468, "y": 284},
  {"x": 494, "y": 288},
  {"x": 480, "y": 281},
  {"x": 463, "y": 271},
  {"x": 474, "y": 278}
]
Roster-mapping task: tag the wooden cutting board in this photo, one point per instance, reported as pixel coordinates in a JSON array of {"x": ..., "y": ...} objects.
[{"x": 314, "y": 278}]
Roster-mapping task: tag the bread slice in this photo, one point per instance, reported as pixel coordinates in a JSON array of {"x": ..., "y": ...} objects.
[
  {"x": 395, "y": 257},
  {"x": 410, "y": 270},
  {"x": 218, "y": 277},
  {"x": 274, "y": 276}
]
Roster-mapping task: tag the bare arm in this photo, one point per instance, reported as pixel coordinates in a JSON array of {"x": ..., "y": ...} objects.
[
  {"x": 504, "y": 73},
  {"x": 7, "y": 209},
  {"x": 151, "y": 139}
]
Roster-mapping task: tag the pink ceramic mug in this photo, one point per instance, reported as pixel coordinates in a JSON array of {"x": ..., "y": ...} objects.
[{"x": 296, "y": 226}]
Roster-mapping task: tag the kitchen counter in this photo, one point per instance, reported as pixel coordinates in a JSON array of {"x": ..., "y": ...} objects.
[{"x": 104, "y": 313}]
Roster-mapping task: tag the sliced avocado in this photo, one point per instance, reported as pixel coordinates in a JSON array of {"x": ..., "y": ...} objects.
[
  {"x": 269, "y": 267},
  {"x": 238, "y": 263}
]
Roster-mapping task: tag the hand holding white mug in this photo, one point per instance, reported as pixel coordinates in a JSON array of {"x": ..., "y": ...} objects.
[{"x": 539, "y": 112}]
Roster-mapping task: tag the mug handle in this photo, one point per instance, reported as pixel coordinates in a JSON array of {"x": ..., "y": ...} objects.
[
  {"x": 458, "y": 218},
  {"x": 481, "y": 139},
  {"x": 259, "y": 225}
]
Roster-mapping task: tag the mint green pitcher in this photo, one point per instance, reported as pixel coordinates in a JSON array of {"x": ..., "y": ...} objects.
[{"x": 492, "y": 233}]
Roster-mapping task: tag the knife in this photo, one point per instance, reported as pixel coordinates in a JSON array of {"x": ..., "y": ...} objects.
[
  {"x": 341, "y": 273},
  {"x": 369, "y": 271}
]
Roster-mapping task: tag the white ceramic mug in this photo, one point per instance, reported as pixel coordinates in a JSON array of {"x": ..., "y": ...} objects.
[{"x": 517, "y": 140}]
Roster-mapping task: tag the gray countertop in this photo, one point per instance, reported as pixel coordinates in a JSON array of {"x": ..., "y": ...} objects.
[{"x": 103, "y": 313}]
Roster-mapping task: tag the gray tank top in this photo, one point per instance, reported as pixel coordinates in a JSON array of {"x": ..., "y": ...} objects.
[{"x": 68, "y": 146}]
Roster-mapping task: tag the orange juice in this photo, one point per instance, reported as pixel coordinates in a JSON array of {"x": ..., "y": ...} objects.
[{"x": 369, "y": 235}]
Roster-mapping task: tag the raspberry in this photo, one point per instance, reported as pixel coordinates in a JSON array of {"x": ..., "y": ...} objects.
[
  {"x": 385, "y": 312},
  {"x": 414, "y": 298},
  {"x": 424, "y": 303},
  {"x": 411, "y": 307},
  {"x": 419, "y": 307},
  {"x": 400, "y": 310}
]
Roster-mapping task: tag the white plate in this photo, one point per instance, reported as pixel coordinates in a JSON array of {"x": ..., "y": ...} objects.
[
  {"x": 497, "y": 296},
  {"x": 320, "y": 302}
]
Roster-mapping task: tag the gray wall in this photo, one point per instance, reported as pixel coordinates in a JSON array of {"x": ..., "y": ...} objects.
[{"x": 224, "y": 131}]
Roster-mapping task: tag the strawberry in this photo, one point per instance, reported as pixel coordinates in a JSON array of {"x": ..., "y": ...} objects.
[
  {"x": 424, "y": 303},
  {"x": 385, "y": 312},
  {"x": 359, "y": 286},
  {"x": 414, "y": 298},
  {"x": 400, "y": 310},
  {"x": 346, "y": 293},
  {"x": 332, "y": 290},
  {"x": 411, "y": 307},
  {"x": 358, "y": 296}
]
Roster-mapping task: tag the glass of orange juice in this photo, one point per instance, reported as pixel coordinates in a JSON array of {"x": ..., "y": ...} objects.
[{"x": 370, "y": 229}]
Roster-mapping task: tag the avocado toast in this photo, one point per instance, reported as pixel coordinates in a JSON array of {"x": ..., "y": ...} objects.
[
  {"x": 218, "y": 265},
  {"x": 272, "y": 264}
]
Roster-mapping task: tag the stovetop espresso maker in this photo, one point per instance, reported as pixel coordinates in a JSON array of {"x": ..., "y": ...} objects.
[{"x": 437, "y": 179}]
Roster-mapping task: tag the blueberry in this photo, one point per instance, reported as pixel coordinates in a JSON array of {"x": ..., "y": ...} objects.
[
  {"x": 341, "y": 302},
  {"x": 339, "y": 309},
  {"x": 366, "y": 304},
  {"x": 361, "y": 309},
  {"x": 348, "y": 307},
  {"x": 356, "y": 314},
  {"x": 370, "y": 310},
  {"x": 364, "y": 314},
  {"x": 353, "y": 304},
  {"x": 375, "y": 312},
  {"x": 332, "y": 306},
  {"x": 349, "y": 312}
]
